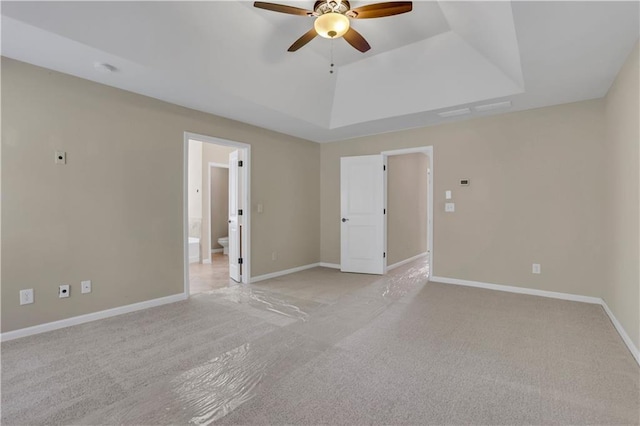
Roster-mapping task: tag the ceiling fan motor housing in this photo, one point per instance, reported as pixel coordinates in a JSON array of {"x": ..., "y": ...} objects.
[{"x": 322, "y": 7}]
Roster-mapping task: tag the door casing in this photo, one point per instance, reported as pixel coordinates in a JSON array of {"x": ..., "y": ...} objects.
[
  {"x": 428, "y": 150},
  {"x": 245, "y": 197}
]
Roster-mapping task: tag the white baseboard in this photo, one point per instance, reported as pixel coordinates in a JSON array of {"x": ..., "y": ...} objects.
[
  {"x": 554, "y": 295},
  {"x": 621, "y": 331},
  {"x": 403, "y": 262},
  {"x": 216, "y": 250},
  {"x": 281, "y": 273},
  {"x": 330, "y": 265},
  {"x": 81, "y": 319},
  {"x": 195, "y": 259},
  {"x": 520, "y": 290},
  {"x": 206, "y": 261}
]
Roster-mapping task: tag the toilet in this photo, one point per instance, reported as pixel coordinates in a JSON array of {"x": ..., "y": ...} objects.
[{"x": 224, "y": 242}]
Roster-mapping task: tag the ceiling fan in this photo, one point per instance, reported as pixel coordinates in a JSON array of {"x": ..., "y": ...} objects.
[{"x": 332, "y": 19}]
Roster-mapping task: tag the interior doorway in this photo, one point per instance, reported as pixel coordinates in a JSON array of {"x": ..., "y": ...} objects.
[
  {"x": 216, "y": 213},
  {"x": 409, "y": 198},
  {"x": 365, "y": 241}
]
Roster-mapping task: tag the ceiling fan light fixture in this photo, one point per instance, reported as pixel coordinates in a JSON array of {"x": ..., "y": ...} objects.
[{"x": 331, "y": 25}]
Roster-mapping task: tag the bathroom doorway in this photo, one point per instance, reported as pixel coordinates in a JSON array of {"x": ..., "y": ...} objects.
[{"x": 216, "y": 224}]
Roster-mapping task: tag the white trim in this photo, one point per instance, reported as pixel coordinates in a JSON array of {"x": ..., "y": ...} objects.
[
  {"x": 554, "y": 295},
  {"x": 411, "y": 259},
  {"x": 385, "y": 222},
  {"x": 217, "y": 250},
  {"x": 206, "y": 261},
  {"x": 185, "y": 214},
  {"x": 520, "y": 290},
  {"x": 81, "y": 319},
  {"x": 408, "y": 150},
  {"x": 621, "y": 331},
  {"x": 285, "y": 272},
  {"x": 428, "y": 151},
  {"x": 246, "y": 198},
  {"x": 329, "y": 265},
  {"x": 219, "y": 165},
  {"x": 194, "y": 259}
]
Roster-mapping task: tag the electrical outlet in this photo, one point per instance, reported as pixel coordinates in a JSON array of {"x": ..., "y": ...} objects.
[
  {"x": 26, "y": 296},
  {"x": 85, "y": 286},
  {"x": 449, "y": 207},
  {"x": 274, "y": 255},
  {"x": 60, "y": 157},
  {"x": 64, "y": 291},
  {"x": 535, "y": 269}
]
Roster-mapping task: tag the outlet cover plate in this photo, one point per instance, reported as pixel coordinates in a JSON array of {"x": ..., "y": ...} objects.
[
  {"x": 60, "y": 157},
  {"x": 85, "y": 286},
  {"x": 63, "y": 291}
]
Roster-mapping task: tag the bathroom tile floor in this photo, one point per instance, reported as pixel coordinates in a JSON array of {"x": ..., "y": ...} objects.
[
  {"x": 322, "y": 347},
  {"x": 204, "y": 277}
]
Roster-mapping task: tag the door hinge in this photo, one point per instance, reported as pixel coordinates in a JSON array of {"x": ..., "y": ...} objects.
[
  {"x": 239, "y": 212},
  {"x": 384, "y": 254},
  {"x": 239, "y": 261},
  {"x": 384, "y": 168},
  {"x": 239, "y": 163},
  {"x": 384, "y": 211}
]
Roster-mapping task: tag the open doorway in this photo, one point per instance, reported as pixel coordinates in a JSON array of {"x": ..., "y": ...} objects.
[
  {"x": 365, "y": 240},
  {"x": 216, "y": 213},
  {"x": 409, "y": 200}
]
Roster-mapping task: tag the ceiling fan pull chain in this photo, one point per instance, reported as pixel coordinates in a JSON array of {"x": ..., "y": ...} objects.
[{"x": 331, "y": 69}]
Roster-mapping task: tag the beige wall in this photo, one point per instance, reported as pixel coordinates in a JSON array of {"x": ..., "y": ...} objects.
[
  {"x": 194, "y": 188},
  {"x": 621, "y": 159},
  {"x": 211, "y": 153},
  {"x": 535, "y": 196},
  {"x": 220, "y": 205},
  {"x": 114, "y": 213},
  {"x": 406, "y": 206}
]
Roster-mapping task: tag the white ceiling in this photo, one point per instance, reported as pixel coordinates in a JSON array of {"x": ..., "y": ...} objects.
[{"x": 230, "y": 59}]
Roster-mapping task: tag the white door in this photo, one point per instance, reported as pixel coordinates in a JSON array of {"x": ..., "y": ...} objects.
[
  {"x": 235, "y": 220},
  {"x": 362, "y": 236}
]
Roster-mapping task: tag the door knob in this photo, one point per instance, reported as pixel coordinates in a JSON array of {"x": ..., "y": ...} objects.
[{"x": 344, "y": 219}]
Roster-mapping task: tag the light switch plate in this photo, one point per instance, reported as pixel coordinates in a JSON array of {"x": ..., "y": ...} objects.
[
  {"x": 26, "y": 296},
  {"x": 535, "y": 268},
  {"x": 447, "y": 195},
  {"x": 449, "y": 207}
]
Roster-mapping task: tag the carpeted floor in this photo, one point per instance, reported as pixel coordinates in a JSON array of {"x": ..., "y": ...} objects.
[{"x": 321, "y": 347}]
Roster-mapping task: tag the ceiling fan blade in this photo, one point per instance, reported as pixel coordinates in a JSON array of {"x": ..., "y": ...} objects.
[
  {"x": 356, "y": 40},
  {"x": 282, "y": 8},
  {"x": 306, "y": 38},
  {"x": 380, "y": 10}
]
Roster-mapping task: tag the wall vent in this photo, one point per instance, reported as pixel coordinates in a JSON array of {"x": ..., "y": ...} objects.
[
  {"x": 491, "y": 107},
  {"x": 455, "y": 112}
]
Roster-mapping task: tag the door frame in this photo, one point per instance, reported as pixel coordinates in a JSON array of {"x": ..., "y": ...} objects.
[
  {"x": 428, "y": 150},
  {"x": 210, "y": 166},
  {"x": 246, "y": 202}
]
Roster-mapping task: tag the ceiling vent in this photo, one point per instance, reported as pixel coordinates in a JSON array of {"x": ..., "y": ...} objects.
[
  {"x": 455, "y": 112},
  {"x": 491, "y": 107}
]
